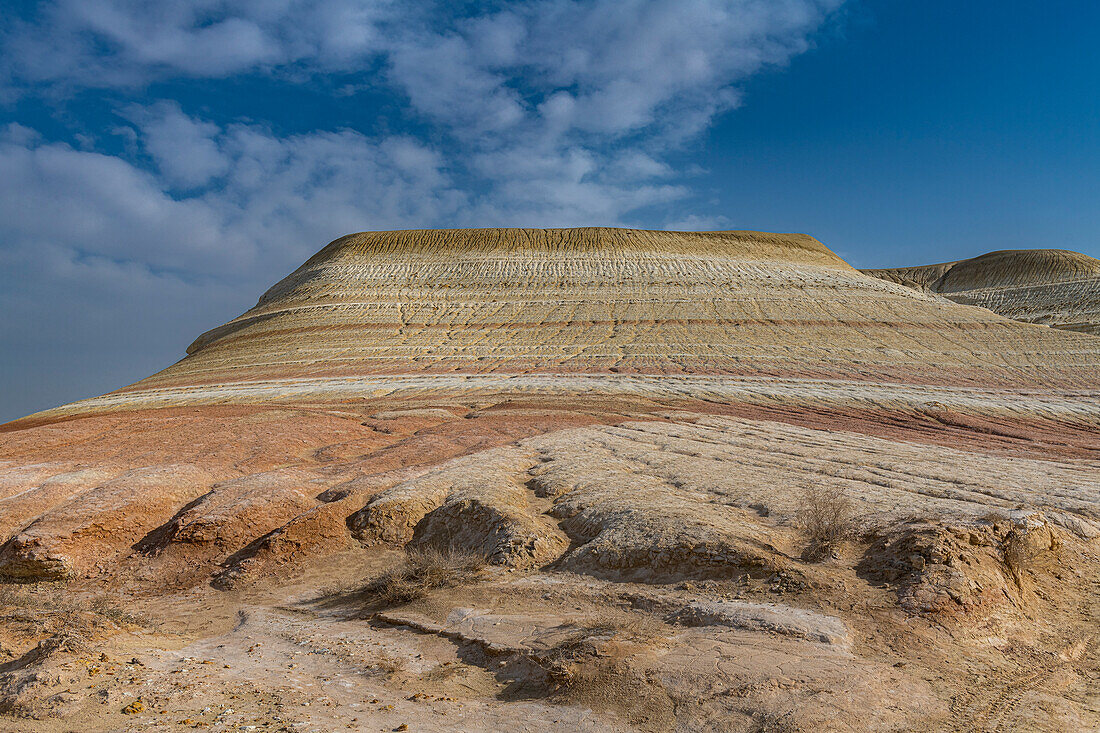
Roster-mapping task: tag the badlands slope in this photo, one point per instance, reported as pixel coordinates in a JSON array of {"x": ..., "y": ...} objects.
[
  {"x": 1053, "y": 287},
  {"x": 625, "y": 427}
]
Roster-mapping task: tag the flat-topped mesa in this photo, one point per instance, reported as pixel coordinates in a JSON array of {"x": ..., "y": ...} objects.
[
  {"x": 600, "y": 300},
  {"x": 1052, "y": 287}
]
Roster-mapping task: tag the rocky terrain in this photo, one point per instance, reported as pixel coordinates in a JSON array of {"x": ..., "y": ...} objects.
[
  {"x": 567, "y": 480},
  {"x": 1052, "y": 287}
]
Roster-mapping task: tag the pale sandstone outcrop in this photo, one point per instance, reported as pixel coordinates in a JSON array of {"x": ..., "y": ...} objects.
[
  {"x": 16, "y": 478},
  {"x": 697, "y": 668},
  {"x": 768, "y": 617},
  {"x": 477, "y": 503},
  {"x": 240, "y": 509},
  {"x": 17, "y": 510},
  {"x": 943, "y": 566},
  {"x": 28, "y": 685},
  {"x": 700, "y": 495}
]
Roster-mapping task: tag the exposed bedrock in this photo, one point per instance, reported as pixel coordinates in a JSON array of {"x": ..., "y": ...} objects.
[
  {"x": 540, "y": 397},
  {"x": 409, "y": 312},
  {"x": 768, "y": 617},
  {"x": 684, "y": 681},
  {"x": 306, "y": 536},
  {"x": 477, "y": 503},
  {"x": 951, "y": 567},
  {"x": 17, "y": 510},
  {"x": 701, "y": 496},
  {"x": 635, "y": 430},
  {"x": 493, "y": 503},
  {"x": 679, "y": 495},
  {"x": 245, "y": 507},
  {"x": 93, "y": 529}
]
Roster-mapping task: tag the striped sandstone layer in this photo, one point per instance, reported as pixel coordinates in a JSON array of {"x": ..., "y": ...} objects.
[
  {"x": 1052, "y": 287},
  {"x": 613, "y": 301}
]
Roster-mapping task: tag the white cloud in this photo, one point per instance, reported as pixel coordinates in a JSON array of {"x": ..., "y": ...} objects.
[
  {"x": 111, "y": 43},
  {"x": 697, "y": 223},
  {"x": 94, "y": 203},
  {"x": 274, "y": 196},
  {"x": 622, "y": 62},
  {"x": 535, "y": 99},
  {"x": 541, "y": 96},
  {"x": 106, "y": 273},
  {"x": 185, "y": 149}
]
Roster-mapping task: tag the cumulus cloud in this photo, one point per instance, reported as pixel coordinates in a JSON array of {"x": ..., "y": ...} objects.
[
  {"x": 532, "y": 102},
  {"x": 185, "y": 149},
  {"x": 260, "y": 195},
  {"x": 540, "y": 94},
  {"x": 108, "y": 270},
  {"x": 118, "y": 43}
]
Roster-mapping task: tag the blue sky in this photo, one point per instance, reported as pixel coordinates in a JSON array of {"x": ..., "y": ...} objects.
[{"x": 164, "y": 162}]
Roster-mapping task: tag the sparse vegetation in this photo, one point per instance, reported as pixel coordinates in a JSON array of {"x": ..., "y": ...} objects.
[
  {"x": 108, "y": 609},
  {"x": 588, "y": 638},
  {"x": 826, "y": 518},
  {"x": 53, "y": 608},
  {"x": 593, "y": 666},
  {"x": 1020, "y": 553},
  {"x": 624, "y": 626},
  {"x": 387, "y": 665},
  {"x": 424, "y": 570}
]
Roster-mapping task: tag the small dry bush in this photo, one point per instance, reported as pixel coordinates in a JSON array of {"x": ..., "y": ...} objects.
[
  {"x": 424, "y": 570},
  {"x": 1020, "y": 554},
  {"x": 826, "y": 518},
  {"x": 105, "y": 607},
  {"x": 589, "y": 638},
  {"x": 593, "y": 667},
  {"x": 622, "y": 626},
  {"x": 387, "y": 665},
  {"x": 53, "y": 608}
]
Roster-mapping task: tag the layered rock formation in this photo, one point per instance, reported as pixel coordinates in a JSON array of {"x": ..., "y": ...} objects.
[
  {"x": 1051, "y": 287},
  {"x": 611, "y": 419},
  {"x": 413, "y": 310}
]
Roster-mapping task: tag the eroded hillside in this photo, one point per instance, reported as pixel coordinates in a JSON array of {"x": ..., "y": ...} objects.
[{"x": 563, "y": 480}]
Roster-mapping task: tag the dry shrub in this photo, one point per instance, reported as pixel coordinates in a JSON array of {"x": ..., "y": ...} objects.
[
  {"x": 15, "y": 597},
  {"x": 424, "y": 570},
  {"x": 54, "y": 608},
  {"x": 442, "y": 673},
  {"x": 589, "y": 638},
  {"x": 387, "y": 665},
  {"x": 622, "y": 626},
  {"x": 593, "y": 667},
  {"x": 105, "y": 607},
  {"x": 1022, "y": 551},
  {"x": 826, "y": 518}
]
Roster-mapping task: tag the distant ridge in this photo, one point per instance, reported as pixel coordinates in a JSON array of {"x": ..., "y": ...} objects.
[{"x": 1053, "y": 287}]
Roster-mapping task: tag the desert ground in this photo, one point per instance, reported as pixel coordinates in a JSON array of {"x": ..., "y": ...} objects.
[{"x": 586, "y": 479}]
